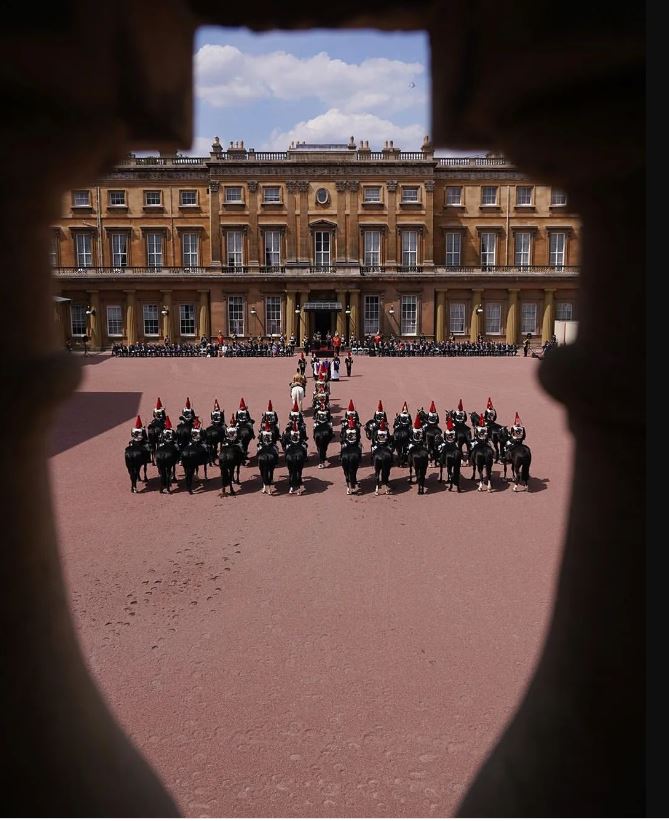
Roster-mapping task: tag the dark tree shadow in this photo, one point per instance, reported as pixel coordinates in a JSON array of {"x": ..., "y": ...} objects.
[{"x": 88, "y": 414}]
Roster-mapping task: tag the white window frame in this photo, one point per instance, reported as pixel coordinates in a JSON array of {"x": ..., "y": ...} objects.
[
  {"x": 149, "y": 194},
  {"x": 558, "y": 198},
  {"x": 409, "y": 240},
  {"x": 407, "y": 197},
  {"x": 371, "y": 248},
  {"x": 485, "y": 195},
  {"x": 123, "y": 201},
  {"x": 451, "y": 192},
  {"x": 528, "y": 193},
  {"x": 236, "y": 315},
  {"x": 272, "y": 248},
  {"x": 493, "y": 318},
  {"x": 54, "y": 249},
  {"x": 457, "y": 318},
  {"x": 528, "y": 318},
  {"x": 190, "y": 249},
  {"x": 409, "y": 315},
  {"x": 557, "y": 249},
  {"x": 564, "y": 311},
  {"x": 155, "y": 241},
  {"x": 151, "y": 319},
  {"x": 368, "y": 191},
  {"x": 371, "y": 306},
  {"x": 78, "y": 319},
  {"x": 322, "y": 254},
  {"x": 273, "y": 315},
  {"x": 120, "y": 249},
  {"x": 234, "y": 249},
  {"x": 187, "y": 191},
  {"x": 81, "y": 199},
  {"x": 114, "y": 320},
  {"x": 453, "y": 249},
  {"x": 229, "y": 199},
  {"x": 488, "y": 249},
  {"x": 522, "y": 249},
  {"x": 83, "y": 249},
  {"x": 271, "y": 199},
  {"x": 322, "y": 200},
  {"x": 186, "y": 319}
]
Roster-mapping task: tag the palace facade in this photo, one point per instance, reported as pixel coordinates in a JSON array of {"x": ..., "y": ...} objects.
[{"x": 317, "y": 238}]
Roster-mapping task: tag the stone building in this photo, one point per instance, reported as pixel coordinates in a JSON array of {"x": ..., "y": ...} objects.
[{"x": 317, "y": 238}]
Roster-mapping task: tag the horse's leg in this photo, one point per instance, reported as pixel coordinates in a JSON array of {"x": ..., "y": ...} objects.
[
  {"x": 206, "y": 478},
  {"x": 410, "y": 471},
  {"x": 377, "y": 479},
  {"x": 489, "y": 474}
]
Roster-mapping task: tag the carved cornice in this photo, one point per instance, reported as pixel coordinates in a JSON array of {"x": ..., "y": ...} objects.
[
  {"x": 341, "y": 185},
  {"x": 291, "y": 185},
  {"x": 392, "y": 186},
  {"x": 214, "y": 186},
  {"x": 353, "y": 185},
  {"x": 429, "y": 186},
  {"x": 303, "y": 186},
  {"x": 253, "y": 186}
]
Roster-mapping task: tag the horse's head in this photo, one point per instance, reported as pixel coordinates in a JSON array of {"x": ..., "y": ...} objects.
[
  {"x": 231, "y": 433},
  {"x": 242, "y": 415},
  {"x": 460, "y": 416},
  {"x": 481, "y": 430},
  {"x": 321, "y": 415},
  {"x": 382, "y": 436},
  {"x": 159, "y": 414},
  {"x": 168, "y": 436},
  {"x": 417, "y": 434},
  {"x": 188, "y": 414},
  {"x": 295, "y": 436},
  {"x": 196, "y": 435},
  {"x": 266, "y": 437},
  {"x": 351, "y": 435},
  {"x": 490, "y": 414},
  {"x": 518, "y": 433},
  {"x": 216, "y": 417},
  {"x": 136, "y": 435},
  {"x": 449, "y": 435}
]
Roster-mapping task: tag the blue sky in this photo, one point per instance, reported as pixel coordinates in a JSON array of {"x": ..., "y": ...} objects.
[{"x": 269, "y": 89}]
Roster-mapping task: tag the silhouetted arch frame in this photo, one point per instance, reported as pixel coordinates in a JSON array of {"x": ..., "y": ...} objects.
[{"x": 561, "y": 93}]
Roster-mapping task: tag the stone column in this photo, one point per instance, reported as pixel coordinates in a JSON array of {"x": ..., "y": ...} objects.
[
  {"x": 130, "y": 329},
  {"x": 353, "y": 229},
  {"x": 291, "y": 188},
  {"x": 167, "y": 319},
  {"x": 547, "y": 325},
  {"x": 214, "y": 222},
  {"x": 440, "y": 299},
  {"x": 95, "y": 320},
  {"x": 204, "y": 327},
  {"x": 393, "y": 237},
  {"x": 428, "y": 233},
  {"x": 354, "y": 303},
  {"x": 341, "y": 316},
  {"x": 512, "y": 317},
  {"x": 303, "y": 254},
  {"x": 290, "y": 315},
  {"x": 474, "y": 328},
  {"x": 340, "y": 259},
  {"x": 254, "y": 259}
]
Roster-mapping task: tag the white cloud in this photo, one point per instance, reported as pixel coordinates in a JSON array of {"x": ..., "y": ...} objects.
[
  {"x": 225, "y": 76},
  {"x": 336, "y": 126}
]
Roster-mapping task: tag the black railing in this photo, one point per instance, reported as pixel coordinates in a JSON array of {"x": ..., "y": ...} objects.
[
  {"x": 372, "y": 269},
  {"x": 234, "y": 269},
  {"x": 410, "y": 269},
  {"x": 272, "y": 269},
  {"x": 322, "y": 269}
]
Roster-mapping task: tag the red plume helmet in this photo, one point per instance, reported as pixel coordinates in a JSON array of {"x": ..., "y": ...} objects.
[
  {"x": 516, "y": 421},
  {"x": 296, "y": 408},
  {"x": 405, "y": 407},
  {"x": 168, "y": 424},
  {"x": 217, "y": 407},
  {"x": 233, "y": 420},
  {"x": 433, "y": 407},
  {"x": 196, "y": 423},
  {"x": 490, "y": 405},
  {"x": 460, "y": 408},
  {"x": 269, "y": 406},
  {"x": 383, "y": 426},
  {"x": 138, "y": 422},
  {"x": 187, "y": 402},
  {"x": 417, "y": 423},
  {"x": 242, "y": 404},
  {"x": 159, "y": 404},
  {"x": 379, "y": 407},
  {"x": 449, "y": 423},
  {"x": 351, "y": 406}
]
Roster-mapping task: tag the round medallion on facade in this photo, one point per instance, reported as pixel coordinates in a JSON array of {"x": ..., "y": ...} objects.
[{"x": 322, "y": 196}]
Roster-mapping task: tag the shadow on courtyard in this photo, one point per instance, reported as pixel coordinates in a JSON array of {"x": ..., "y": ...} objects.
[{"x": 88, "y": 414}]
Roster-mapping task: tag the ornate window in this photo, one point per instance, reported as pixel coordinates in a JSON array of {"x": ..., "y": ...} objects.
[
  {"x": 273, "y": 315},
  {"x": 371, "y": 193},
  {"x": 152, "y": 199},
  {"x": 117, "y": 199},
  {"x": 234, "y": 249},
  {"x": 119, "y": 249},
  {"x": 557, "y": 247},
  {"x": 114, "y": 320},
  {"x": 522, "y": 249},
  {"x": 454, "y": 195},
  {"x": 524, "y": 195},
  {"x": 81, "y": 199},
  {"x": 154, "y": 249},
  {"x": 564, "y": 311},
  {"x": 558, "y": 197},
  {"x": 188, "y": 197},
  {"x": 493, "y": 318},
  {"x": 528, "y": 318},
  {"x": 272, "y": 241},
  {"x": 78, "y": 319},
  {"x": 271, "y": 194},
  {"x": 371, "y": 314},
  {"x": 151, "y": 320},
  {"x": 236, "y": 315},
  {"x": 372, "y": 249},
  {"x": 409, "y": 316},
  {"x": 489, "y": 195},
  {"x": 322, "y": 243},
  {"x": 410, "y": 249},
  {"x": 453, "y": 249},
  {"x": 233, "y": 194},
  {"x": 190, "y": 249},
  {"x": 456, "y": 317},
  {"x": 83, "y": 249},
  {"x": 488, "y": 249},
  {"x": 187, "y": 320}
]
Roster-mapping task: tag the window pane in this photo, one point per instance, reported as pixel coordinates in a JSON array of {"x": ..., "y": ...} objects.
[
  {"x": 187, "y": 320},
  {"x": 271, "y": 193},
  {"x": 83, "y": 250},
  {"x": 188, "y": 198},
  {"x": 409, "y": 194},
  {"x": 151, "y": 321},
  {"x": 190, "y": 245},
  {"x": 233, "y": 194},
  {"x": 409, "y": 249},
  {"x": 522, "y": 246},
  {"x": 409, "y": 323},
  {"x": 236, "y": 315},
  {"x": 493, "y": 318},
  {"x": 322, "y": 247},
  {"x": 273, "y": 314},
  {"x": 524, "y": 195},
  {"x": 154, "y": 249},
  {"x": 557, "y": 248},
  {"x": 54, "y": 248},
  {"x": 488, "y": 244},
  {"x": 453, "y": 247},
  {"x": 489, "y": 195},
  {"x": 152, "y": 198},
  {"x": 558, "y": 197},
  {"x": 456, "y": 318},
  {"x": 272, "y": 248},
  {"x": 117, "y": 197},
  {"x": 564, "y": 311},
  {"x": 234, "y": 243},
  {"x": 372, "y": 248},
  {"x": 114, "y": 320},
  {"x": 81, "y": 198},
  {"x": 371, "y": 315},
  {"x": 528, "y": 318},
  {"x": 119, "y": 244},
  {"x": 454, "y": 195},
  {"x": 78, "y": 317},
  {"x": 372, "y": 193}
]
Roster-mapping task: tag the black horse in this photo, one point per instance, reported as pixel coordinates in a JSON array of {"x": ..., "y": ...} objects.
[
  {"x": 296, "y": 456},
  {"x": 230, "y": 458},
  {"x": 166, "y": 460},
  {"x": 448, "y": 456},
  {"x": 193, "y": 455},
  {"x": 323, "y": 435},
  {"x": 137, "y": 455},
  {"x": 383, "y": 461},
  {"x": 482, "y": 461},
  {"x": 268, "y": 459},
  {"x": 418, "y": 459},
  {"x": 153, "y": 431},
  {"x": 183, "y": 433},
  {"x": 213, "y": 436},
  {"x": 463, "y": 437},
  {"x": 519, "y": 456},
  {"x": 432, "y": 432},
  {"x": 350, "y": 462},
  {"x": 246, "y": 434},
  {"x": 401, "y": 439}
]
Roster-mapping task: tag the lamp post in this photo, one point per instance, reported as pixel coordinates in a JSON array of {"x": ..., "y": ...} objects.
[{"x": 89, "y": 312}]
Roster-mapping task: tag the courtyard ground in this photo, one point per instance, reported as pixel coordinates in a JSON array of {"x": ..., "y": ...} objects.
[{"x": 322, "y": 655}]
